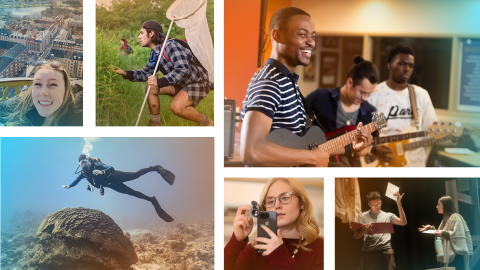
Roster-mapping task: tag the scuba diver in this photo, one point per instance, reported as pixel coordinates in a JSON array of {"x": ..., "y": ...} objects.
[{"x": 101, "y": 175}]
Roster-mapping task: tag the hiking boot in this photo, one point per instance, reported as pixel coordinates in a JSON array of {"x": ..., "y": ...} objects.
[
  {"x": 166, "y": 174},
  {"x": 208, "y": 122},
  {"x": 160, "y": 212},
  {"x": 154, "y": 123}
]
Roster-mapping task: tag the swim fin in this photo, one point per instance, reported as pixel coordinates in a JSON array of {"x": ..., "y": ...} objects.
[
  {"x": 166, "y": 174},
  {"x": 160, "y": 212}
]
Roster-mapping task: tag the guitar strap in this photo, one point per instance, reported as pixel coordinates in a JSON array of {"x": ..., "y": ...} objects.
[
  {"x": 311, "y": 115},
  {"x": 413, "y": 102}
]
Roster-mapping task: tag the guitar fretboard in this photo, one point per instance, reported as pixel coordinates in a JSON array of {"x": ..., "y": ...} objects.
[
  {"x": 426, "y": 142},
  {"x": 398, "y": 137},
  {"x": 346, "y": 139}
]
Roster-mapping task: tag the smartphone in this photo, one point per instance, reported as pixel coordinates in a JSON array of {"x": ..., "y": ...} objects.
[{"x": 271, "y": 223}]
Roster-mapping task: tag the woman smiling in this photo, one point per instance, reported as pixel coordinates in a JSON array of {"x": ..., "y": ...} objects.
[
  {"x": 296, "y": 244},
  {"x": 48, "y": 102}
]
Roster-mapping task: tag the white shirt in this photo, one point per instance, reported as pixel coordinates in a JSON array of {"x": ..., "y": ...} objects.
[{"x": 396, "y": 107}]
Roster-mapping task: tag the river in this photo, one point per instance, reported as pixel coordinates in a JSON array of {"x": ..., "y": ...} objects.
[{"x": 23, "y": 11}]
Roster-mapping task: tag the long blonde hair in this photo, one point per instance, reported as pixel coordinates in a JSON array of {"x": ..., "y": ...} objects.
[
  {"x": 23, "y": 103},
  {"x": 307, "y": 227}
]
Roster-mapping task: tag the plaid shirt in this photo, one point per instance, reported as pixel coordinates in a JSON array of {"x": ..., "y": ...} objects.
[{"x": 179, "y": 70}]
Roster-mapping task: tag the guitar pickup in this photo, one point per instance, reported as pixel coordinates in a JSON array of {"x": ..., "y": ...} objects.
[{"x": 313, "y": 146}]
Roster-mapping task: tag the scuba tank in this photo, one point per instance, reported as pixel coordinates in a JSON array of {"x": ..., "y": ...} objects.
[{"x": 439, "y": 249}]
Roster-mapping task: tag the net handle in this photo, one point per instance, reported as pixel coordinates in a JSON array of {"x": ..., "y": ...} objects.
[
  {"x": 175, "y": 4},
  {"x": 154, "y": 72}
]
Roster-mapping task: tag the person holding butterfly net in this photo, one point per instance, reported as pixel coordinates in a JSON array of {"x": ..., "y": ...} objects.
[
  {"x": 185, "y": 79},
  {"x": 273, "y": 99}
]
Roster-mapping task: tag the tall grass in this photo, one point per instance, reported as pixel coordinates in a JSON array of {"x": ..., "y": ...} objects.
[{"x": 119, "y": 100}]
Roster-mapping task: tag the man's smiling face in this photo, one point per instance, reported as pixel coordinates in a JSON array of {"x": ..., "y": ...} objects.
[{"x": 297, "y": 41}]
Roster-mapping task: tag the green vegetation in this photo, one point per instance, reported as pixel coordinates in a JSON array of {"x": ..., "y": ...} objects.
[{"x": 118, "y": 101}]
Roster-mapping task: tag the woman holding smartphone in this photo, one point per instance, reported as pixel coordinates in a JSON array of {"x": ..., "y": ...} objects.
[
  {"x": 455, "y": 235},
  {"x": 296, "y": 244}
]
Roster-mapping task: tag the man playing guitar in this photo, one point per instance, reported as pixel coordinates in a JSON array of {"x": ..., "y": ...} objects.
[
  {"x": 341, "y": 108},
  {"x": 273, "y": 98},
  {"x": 393, "y": 99}
]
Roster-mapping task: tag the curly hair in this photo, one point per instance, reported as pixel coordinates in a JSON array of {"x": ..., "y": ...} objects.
[
  {"x": 399, "y": 49},
  {"x": 307, "y": 227}
]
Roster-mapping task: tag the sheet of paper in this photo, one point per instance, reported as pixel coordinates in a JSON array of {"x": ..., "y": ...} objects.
[
  {"x": 429, "y": 231},
  {"x": 391, "y": 189},
  {"x": 459, "y": 151}
]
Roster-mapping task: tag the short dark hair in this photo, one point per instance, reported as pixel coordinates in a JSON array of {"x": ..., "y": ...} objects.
[
  {"x": 373, "y": 195},
  {"x": 156, "y": 38},
  {"x": 448, "y": 207},
  {"x": 122, "y": 39},
  {"x": 281, "y": 17},
  {"x": 361, "y": 70},
  {"x": 400, "y": 48}
]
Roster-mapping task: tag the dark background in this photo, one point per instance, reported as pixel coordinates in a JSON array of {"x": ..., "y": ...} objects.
[{"x": 413, "y": 250}]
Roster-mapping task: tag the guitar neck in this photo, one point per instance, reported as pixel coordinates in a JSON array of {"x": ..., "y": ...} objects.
[
  {"x": 426, "y": 142},
  {"x": 333, "y": 145},
  {"x": 398, "y": 137}
]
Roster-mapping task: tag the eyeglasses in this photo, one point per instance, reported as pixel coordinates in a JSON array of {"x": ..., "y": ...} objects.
[
  {"x": 376, "y": 205},
  {"x": 284, "y": 198},
  {"x": 52, "y": 64}
]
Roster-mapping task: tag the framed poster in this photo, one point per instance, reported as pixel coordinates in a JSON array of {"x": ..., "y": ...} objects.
[
  {"x": 328, "y": 69},
  {"x": 309, "y": 71}
]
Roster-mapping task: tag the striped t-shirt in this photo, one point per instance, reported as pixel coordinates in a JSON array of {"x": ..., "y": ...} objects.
[{"x": 273, "y": 92}]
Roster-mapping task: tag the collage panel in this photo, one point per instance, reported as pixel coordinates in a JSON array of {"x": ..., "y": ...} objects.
[
  {"x": 272, "y": 223},
  {"x": 390, "y": 94},
  {"x": 154, "y": 63},
  {"x": 41, "y": 63},
  {"x": 407, "y": 223},
  {"x": 107, "y": 203}
]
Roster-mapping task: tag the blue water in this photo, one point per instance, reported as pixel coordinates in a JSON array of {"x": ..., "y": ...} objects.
[
  {"x": 34, "y": 169},
  {"x": 30, "y": 11}
]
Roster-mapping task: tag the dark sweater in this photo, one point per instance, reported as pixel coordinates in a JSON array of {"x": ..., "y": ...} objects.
[
  {"x": 324, "y": 103},
  {"x": 241, "y": 255}
]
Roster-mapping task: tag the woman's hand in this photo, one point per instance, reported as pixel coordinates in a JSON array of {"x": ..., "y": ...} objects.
[
  {"x": 438, "y": 232},
  {"x": 425, "y": 228},
  {"x": 242, "y": 225},
  {"x": 270, "y": 244}
]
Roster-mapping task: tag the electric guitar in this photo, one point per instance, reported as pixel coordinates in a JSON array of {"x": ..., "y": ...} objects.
[
  {"x": 315, "y": 138},
  {"x": 400, "y": 144}
]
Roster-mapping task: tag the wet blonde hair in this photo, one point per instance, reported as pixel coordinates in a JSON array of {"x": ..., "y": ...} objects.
[
  {"x": 307, "y": 227},
  {"x": 23, "y": 103}
]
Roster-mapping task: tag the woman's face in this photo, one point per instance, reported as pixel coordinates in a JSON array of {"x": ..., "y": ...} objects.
[
  {"x": 287, "y": 214},
  {"x": 440, "y": 207},
  {"x": 48, "y": 91}
]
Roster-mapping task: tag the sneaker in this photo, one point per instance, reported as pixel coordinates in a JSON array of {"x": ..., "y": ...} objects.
[
  {"x": 154, "y": 123},
  {"x": 166, "y": 174},
  {"x": 208, "y": 122},
  {"x": 160, "y": 212}
]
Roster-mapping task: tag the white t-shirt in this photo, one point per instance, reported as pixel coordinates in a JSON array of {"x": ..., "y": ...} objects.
[{"x": 396, "y": 107}]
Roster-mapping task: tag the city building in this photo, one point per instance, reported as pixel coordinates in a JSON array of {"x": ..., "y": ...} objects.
[{"x": 13, "y": 57}]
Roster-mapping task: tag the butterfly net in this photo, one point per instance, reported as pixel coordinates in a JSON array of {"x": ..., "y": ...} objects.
[{"x": 191, "y": 15}]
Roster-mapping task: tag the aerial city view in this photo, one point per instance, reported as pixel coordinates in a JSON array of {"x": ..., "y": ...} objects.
[{"x": 35, "y": 30}]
